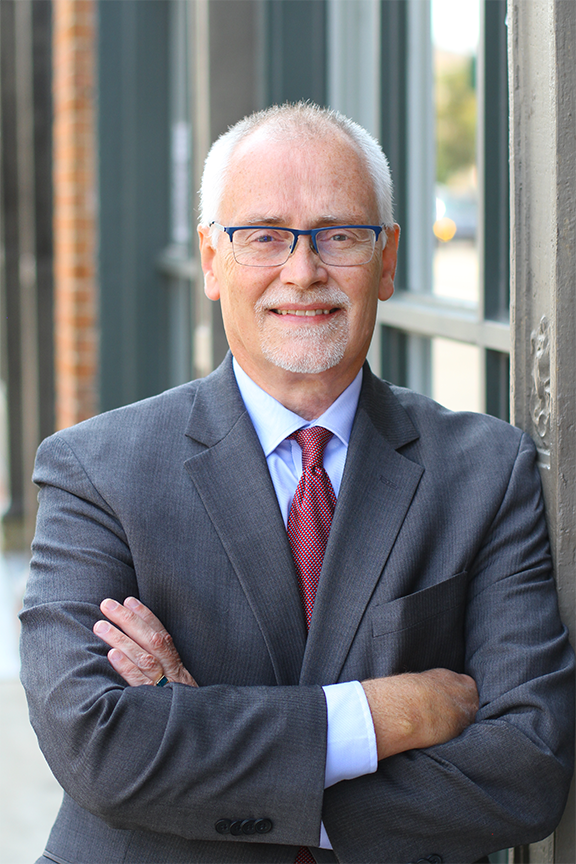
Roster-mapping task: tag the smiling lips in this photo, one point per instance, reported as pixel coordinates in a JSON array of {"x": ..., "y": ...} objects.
[{"x": 304, "y": 313}]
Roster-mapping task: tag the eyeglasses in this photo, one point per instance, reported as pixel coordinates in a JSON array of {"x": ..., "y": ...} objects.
[{"x": 340, "y": 246}]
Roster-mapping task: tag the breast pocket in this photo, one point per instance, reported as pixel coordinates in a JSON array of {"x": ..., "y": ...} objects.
[{"x": 422, "y": 630}]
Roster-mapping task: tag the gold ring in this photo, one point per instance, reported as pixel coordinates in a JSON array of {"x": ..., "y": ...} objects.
[{"x": 162, "y": 680}]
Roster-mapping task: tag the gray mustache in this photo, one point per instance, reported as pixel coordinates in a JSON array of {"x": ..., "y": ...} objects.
[{"x": 276, "y": 298}]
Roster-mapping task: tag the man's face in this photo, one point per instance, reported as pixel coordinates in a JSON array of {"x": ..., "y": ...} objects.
[{"x": 304, "y": 317}]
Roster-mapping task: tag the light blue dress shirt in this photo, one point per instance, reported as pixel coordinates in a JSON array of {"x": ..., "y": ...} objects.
[{"x": 351, "y": 742}]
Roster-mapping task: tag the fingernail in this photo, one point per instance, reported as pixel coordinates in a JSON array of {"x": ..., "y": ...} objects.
[
  {"x": 109, "y": 604},
  {"x": 131, "y": 603},
  {"x": 101, "y": 627}
]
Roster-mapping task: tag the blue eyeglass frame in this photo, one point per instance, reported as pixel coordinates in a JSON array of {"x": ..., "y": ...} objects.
[{"x": 296, "y": 232}]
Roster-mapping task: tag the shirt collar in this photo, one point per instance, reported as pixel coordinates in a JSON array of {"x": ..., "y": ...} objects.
[{"x": 273, "y": 422}]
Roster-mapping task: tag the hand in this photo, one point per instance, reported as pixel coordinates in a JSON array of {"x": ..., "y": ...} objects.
[
  {"x": 418, "y": 710},
  {"x": 141, "y": 649}
]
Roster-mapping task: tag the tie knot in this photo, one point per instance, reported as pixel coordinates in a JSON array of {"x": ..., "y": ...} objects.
[{"x": 312, "y": 441}]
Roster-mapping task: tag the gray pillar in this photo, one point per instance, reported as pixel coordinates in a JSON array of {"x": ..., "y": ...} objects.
[
  {"x": 227, "y": 49},
  {"x": 542, "y": 45}
]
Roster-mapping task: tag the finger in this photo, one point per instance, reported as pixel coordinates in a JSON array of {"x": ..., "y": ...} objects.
[
  {"x": 148, "y": 632},
  {"x": 160, "y": 641},
  {"x": 143, "y": 660},
  {"x": 138, "y": 608},
  {"x": 124, "y": 666}
]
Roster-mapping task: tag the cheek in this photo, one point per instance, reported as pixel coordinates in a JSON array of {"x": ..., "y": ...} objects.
[
  {"x": 238, "y": 298},
  {"x": 365, "y": 299}
]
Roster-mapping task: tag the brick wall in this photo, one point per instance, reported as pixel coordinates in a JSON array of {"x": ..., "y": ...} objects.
[{"x": 75, "y": 282}]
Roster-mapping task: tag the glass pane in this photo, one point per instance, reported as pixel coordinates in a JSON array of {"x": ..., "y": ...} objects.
[
  {"x": 501, "y": 857},
  {"x": 457, "y": 375},
  {"x": 180, "y": 151},
  {"x": 455, "y": 29}
]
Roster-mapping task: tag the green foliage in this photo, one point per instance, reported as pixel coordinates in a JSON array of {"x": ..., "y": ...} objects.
[{"x": 455, "y": 119}]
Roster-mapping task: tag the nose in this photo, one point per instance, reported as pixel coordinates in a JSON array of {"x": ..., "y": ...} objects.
[{"x": 304, "y": 267}]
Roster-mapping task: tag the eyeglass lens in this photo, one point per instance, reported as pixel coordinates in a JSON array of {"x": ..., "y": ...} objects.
[{"x": 270, "y": 247}]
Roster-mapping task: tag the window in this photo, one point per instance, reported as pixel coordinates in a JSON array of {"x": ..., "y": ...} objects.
[
  {"x": 176, "y": 262},
  {"x": 446, "y": 331}
]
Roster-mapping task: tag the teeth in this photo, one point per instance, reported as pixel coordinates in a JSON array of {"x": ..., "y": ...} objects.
[{"x": 309, "y": 313}]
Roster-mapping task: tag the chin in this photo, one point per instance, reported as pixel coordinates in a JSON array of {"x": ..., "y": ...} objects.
[{"x": 302, "y": 358}]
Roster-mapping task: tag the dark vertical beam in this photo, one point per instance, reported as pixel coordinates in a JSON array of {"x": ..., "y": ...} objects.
[
  {"x": 296, "y": 51},
  {"x": 394, "y": 355},
  {"x": 234, "y": 93},
  {"x": 233, "y": 70},
  {"x": 394, "y": 141},
  {"x": 393, "y": 134},
  {"x": 25, "y": 122},
  {"x": 42, "y": 85},
  {"x": 133, "y": 148},
  {"x": 11, "y": 330},
  {"x": 498, "y": 384},
  {"x": 496, "y": 161}
]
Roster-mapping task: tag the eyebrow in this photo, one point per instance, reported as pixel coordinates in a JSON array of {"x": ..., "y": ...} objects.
[
  {"x": 265, "y": 220},
  {"x": 321, "y": 220}
]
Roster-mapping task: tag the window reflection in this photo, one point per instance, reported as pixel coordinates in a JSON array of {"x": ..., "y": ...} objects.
[
  {"x": 456, "y": 378},
  {"x": 455, "y": 29}
]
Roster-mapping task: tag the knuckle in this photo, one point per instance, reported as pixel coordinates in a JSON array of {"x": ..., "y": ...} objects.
[
  {"x": 157, "y": 640},
  {"x": 146, "y": 662},
  {"x": 162, "y": 641}
]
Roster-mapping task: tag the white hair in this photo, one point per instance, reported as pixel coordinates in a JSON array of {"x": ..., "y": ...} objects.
[{"x": 306, "y": 120}]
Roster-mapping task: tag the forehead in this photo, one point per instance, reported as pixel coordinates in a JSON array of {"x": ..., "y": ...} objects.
[{"x": 299, "y": 178}]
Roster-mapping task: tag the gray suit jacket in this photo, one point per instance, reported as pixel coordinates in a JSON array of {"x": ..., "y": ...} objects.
[{"x": 437, "y": 556}]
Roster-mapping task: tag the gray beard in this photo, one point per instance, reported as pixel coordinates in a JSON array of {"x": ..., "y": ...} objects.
[{"x": 307, "y": 349}]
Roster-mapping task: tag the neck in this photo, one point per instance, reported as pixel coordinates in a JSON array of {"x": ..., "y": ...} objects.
[{"x": 308, "y": 396}]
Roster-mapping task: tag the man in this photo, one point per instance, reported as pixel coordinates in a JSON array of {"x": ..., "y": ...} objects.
[{"x": 356, "y": 623}]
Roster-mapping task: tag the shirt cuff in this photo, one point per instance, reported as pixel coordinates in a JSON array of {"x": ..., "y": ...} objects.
[{"x": 351, "y": 742}]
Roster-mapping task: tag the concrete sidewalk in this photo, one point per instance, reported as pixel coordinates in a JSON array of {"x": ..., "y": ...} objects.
[{"x": 29, "y": 794}]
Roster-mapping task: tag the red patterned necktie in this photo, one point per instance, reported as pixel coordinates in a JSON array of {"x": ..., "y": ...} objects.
[
  {"x": 311, "y": 514},
  {"x": 308, "y": 529}
]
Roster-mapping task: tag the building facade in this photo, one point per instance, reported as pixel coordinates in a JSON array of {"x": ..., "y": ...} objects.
[{"x": 108, "y": 108}]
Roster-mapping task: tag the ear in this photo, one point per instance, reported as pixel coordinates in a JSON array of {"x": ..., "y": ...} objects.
[
  {"x": 389, "y": 260},
  {"x": 207, "y": 256}
]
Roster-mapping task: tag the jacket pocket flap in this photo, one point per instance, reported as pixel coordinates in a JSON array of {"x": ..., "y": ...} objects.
[{"x": 409, "y": 611}]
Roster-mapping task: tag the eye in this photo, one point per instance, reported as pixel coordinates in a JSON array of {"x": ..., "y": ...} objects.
[
  {"x": 338, "y": 236},
  {"x": 264, "y": 236}
]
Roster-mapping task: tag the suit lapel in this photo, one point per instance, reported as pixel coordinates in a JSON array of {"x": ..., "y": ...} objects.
[
  {"x": 377, "y": 489},
  {"x": 232, "y": 479}
]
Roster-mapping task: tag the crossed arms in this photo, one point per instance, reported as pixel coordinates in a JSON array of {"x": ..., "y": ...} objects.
[{"x": 409, "y": 711}]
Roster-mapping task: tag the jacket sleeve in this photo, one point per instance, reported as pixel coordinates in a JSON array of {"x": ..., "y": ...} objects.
[
  {"x": 505, "y": 779},
  {"x": 173, "y": 759}
]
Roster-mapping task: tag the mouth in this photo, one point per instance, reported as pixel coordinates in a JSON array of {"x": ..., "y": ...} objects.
[{"x": 305, "y": 313}]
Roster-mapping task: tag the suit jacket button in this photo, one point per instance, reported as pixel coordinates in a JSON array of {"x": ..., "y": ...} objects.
[
  {"x": 247, "y": 826},
  {"x": 222, "y": 826},
  {"x": 262, "y": 826},
  {"x": 435, "y": 859},
  {"x": 236, "y": 827}
]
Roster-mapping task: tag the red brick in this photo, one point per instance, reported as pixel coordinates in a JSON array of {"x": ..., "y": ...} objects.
[{"x": 76, "y": 336}]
